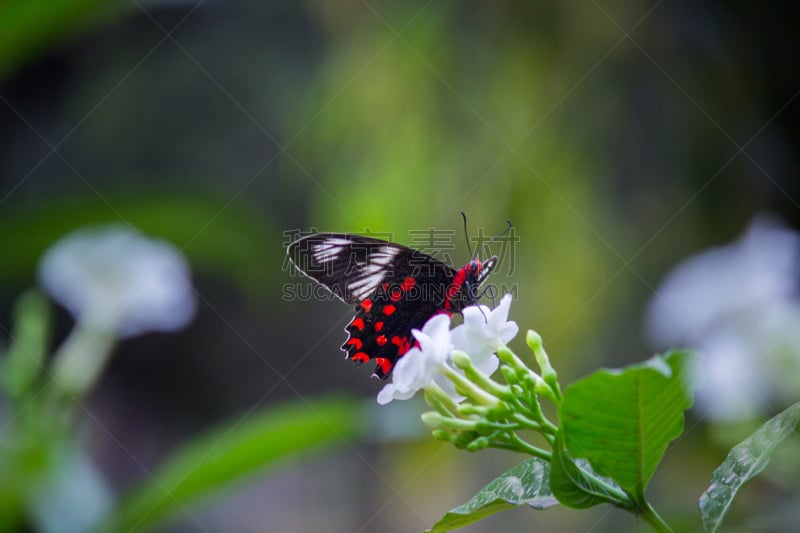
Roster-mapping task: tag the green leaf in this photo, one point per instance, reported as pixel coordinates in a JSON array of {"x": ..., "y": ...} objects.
[
  {"x": 28, "y": 343},
  {"x": 528, "y": 483},
  {"x": 577, "y": 486},
  {"x": 745, "y": 461},
  {"x": 233, "y": 452},
  {"x": 623, "y": 420}
]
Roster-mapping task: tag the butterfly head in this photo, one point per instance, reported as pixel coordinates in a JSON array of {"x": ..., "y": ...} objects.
[
  {"x": 464, "y": 289},
  {"x": 477, "y": 271}
]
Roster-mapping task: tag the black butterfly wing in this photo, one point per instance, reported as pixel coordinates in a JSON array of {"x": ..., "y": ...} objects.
[
  {"x": 381, "y": 329},
  {"x": 353, "y": 267},
  {"x": 394, "y": 289}
]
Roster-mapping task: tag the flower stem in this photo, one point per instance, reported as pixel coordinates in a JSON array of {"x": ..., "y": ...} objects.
[
  {"x": 510, "y": 358},
  {"x": 652, "y": 517},
  {"x": 439, "y": 400},
  {"x": 529, "y": 405},
  {"x": 526, "y": 422},
  {"x": 524, "y": 376},
  {"x": 548, "y": 372},
  {"x": 469, "y": 389},
  {"x": 78, "y": 362},
  {"x": 462, "y": 361},
  {"x": 549, "y": 427},
  {"x": 523, "y": 446}
]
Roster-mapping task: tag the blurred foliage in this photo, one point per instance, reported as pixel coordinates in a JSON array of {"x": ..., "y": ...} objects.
[
  {"x": 28, "y": 348},
  {"x": 235, "y": 244},
  {"x": 29, "y": 27},
  {"x": 615, "y": 156},
  {"x": 49, "y": 484},
  {"x": 228, "y": 454}
]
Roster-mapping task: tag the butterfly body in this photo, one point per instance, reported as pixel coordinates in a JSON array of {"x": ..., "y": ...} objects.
[{"x": 394, "y": 289}]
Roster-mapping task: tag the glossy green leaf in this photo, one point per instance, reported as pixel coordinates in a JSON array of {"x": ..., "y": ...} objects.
[
  {"x": 528, "y": 483},
  {"x": 745, "y": 461},
  {"x": 25, "y": 358},
  {"x": 576, "y": 486},
  {"x": 234, "y": 452},
  {"x": 623, "y": 420}
]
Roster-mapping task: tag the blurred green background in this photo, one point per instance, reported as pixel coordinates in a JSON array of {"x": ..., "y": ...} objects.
[{"x": 619, "y": 137}]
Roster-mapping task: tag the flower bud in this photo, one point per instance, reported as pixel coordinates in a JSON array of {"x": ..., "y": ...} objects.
[
  {"x": 478, "y": 444},
  {"x": 432, "y": 419},
  {"x": 461, "y": 359}
]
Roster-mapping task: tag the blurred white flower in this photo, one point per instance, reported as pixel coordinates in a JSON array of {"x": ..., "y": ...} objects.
[
  {"x": 419, "y": 367},
  {"x": 740, "y": 306},
  {"x": 484, "y": 331},
  {"x": 114, "y": 280}
]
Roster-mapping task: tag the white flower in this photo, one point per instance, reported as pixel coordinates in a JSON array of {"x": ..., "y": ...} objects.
[
  {"x": 738, "y": 304},
  {"x": 419, "y": 367},
  {"x": 483, "y": 332},
  {"x": 114, "y": 280}
]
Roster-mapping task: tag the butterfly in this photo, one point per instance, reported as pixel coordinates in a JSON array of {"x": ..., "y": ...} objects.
[{"x": 394, "y": 289}]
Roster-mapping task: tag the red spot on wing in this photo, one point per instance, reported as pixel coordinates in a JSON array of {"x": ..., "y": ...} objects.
[
  {"x": 408, "y": 284},
  {"x": 378, "y": 326},
  {"x": 361, "y": 357},
  {"x": 395, "y": 295},
  {"x": 402, "y": 344},
  {"x": 358, "y": 323},
  {"x": 356, "y": 342},
  {"x": 366, "y": 305},
  {"x": 381, "y": 340},
  {"x": 389, "y": 309},
  {"x": 384, "y": 364}
]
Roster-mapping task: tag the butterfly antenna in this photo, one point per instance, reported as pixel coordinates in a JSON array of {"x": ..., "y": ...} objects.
[
  {"x": 478, "y": 295},
  {"x": 466, "y": 234},
  {"x": 477, "y": 252},
  {"x": 491, "y": 291}
]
